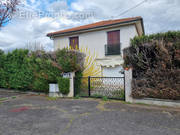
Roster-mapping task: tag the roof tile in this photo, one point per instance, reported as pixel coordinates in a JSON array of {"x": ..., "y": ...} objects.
[{"x": 94, "y": 25}]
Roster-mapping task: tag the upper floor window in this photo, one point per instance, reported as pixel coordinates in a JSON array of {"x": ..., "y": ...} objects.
[
  {"x": 113, "y": 46},
  {"x": 74, "y": 42},
  {"x": 113, "y": 37}
]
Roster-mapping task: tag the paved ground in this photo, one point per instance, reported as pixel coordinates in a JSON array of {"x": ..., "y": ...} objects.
[
  {"x": 38, "y": 115},
  {"x": 7, "y": 94}
]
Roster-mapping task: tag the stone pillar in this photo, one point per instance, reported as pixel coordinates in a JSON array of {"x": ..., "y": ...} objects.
[
  {"x": 71, "y": 76},
  {"x": 128, "y": 87},
  {"x": 71, "y": 91}
]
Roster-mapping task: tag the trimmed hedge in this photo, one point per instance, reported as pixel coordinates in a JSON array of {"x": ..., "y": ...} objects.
[
  {"x": 155, "y": 60},
  {"x": 64, "y": 85},
  {"x": 33, "y": 71}
]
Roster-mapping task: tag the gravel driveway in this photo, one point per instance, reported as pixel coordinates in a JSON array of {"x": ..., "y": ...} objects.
[{"x": 39, "y": 115}]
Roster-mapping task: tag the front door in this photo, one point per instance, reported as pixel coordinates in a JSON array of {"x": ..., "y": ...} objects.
[{"x": 74, "y": 42}]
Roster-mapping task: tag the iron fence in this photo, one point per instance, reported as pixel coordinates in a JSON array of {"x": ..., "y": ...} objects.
[
  {"x": 81, "y": 86},
  {"x": 110, "y": 87}
]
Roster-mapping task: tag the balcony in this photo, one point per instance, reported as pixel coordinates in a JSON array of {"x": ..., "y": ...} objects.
[{"x": 114, "y": 49}]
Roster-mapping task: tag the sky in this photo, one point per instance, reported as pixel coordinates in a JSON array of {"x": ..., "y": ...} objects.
[{"x": 35, "y": 18}]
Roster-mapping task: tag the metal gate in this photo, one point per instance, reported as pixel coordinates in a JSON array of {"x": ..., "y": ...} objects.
[{"x": 110, "y": 87}]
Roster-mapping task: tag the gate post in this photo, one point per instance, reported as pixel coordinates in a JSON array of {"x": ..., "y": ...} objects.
[
  {"x": 71, "y": 76},
  {"x": 74, "y": 87},
  {"x": 89, "y": 86},
  {"x": 71, "y": 93},
  {"x": 128, "y": 87}
]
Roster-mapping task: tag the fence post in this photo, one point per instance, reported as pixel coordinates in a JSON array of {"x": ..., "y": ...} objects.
[
  {"x": 124, "y": 86},
  {"x": 89, "y": 86},
  {"x": 74, "y": 87},
  {"x": 128, "y": 87}
]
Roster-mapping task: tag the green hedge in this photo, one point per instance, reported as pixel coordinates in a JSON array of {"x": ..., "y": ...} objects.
[
  {"x": 77, "y": 82},
  {"x": 64, "y": 85},
  {"x": 155, "y": 60},
  {"x": 33, "y": 71}
]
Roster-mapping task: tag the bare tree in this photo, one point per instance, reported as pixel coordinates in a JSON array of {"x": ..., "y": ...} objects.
[{"x": 7, "y": 9}]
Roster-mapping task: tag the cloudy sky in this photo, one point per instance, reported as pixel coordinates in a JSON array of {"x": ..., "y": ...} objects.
[{"x": 36, "y": 18}]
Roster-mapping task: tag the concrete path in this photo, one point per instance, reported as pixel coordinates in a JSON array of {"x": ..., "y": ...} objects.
[{"x": 40, "y": 115}]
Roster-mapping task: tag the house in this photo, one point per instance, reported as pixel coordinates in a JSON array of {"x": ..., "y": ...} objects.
[{"x": 105, "y": 38}]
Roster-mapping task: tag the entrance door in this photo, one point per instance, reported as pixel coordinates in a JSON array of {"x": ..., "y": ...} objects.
[{"x": 74, "y": 42}]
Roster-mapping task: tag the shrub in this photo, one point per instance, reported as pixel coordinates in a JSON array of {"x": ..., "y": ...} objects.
[
  {"x": 64, "y": 85},
  {"x": 2, "y": 72},
  {"x": 69, "y": 60},
  {"x": 104, "y": 98},
  {"x": 77, "y": 83},
  {"x": 118, "y": 94},
  {"x": 24, "y": 70},
  {"x": 40, "y": 85},
  {"x": 3, "y": 79},
  {"x": 17, "y": 73},
  {"x": 155, "y": 60}
]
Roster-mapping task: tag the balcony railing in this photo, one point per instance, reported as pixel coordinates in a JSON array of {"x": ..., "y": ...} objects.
[{"x": 114, "y": 49}]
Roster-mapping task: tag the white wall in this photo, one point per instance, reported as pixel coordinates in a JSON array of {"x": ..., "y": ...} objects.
[
  {"x": 61, "y": 42},
  {"x": 96, "y": 40},
  {"x": 112, "y": 71}
]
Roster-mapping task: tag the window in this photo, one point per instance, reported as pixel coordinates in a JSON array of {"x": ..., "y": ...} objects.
[
  {"x": 113, "y": 46},
  {"x": 113, "y": 37},
  {"x": 74, "y": 42}
]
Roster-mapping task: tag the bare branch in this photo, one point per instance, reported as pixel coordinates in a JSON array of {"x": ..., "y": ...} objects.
[{"x": 7, "y": 10}]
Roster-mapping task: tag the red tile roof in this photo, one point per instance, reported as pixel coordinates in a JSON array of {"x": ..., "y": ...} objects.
[{"x": 95, "y": 25}]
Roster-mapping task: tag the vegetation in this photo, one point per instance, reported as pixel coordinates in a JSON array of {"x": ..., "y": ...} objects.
[
  {"x": 26, "y": 70},
  {"x": 119, "y": 94},
  {"x": 155, "y": 60},
  {"x": 64, "y": 85},
  {"x": 78, "y": 83},
  {"x": 104, "y": 98}
]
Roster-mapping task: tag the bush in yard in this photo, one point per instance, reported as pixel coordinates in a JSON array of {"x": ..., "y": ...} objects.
[
  {"x": 64, "y": 85},
  {"x": 50, "y": 65},
  {"x": 40, "y": 85},
  {"x": 78, "y": 82},
  {"x": 43, "y": 67},
  {"x": 69, "y": 60},
  {"x": 155, "y": 60},
  {"x": 2, "y": 73},
  {"x": 28, "y": 70},
  {"x": 17, "y": 71}
]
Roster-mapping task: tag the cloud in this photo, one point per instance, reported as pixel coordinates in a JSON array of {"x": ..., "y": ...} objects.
[
  {"x": 19, "y": 33},
  {"x": 58, "y": 5},
  {"x": 158, "y": 15}
]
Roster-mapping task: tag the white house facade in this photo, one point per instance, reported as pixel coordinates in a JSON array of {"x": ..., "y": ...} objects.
[{"x": 106, "y": 39}]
